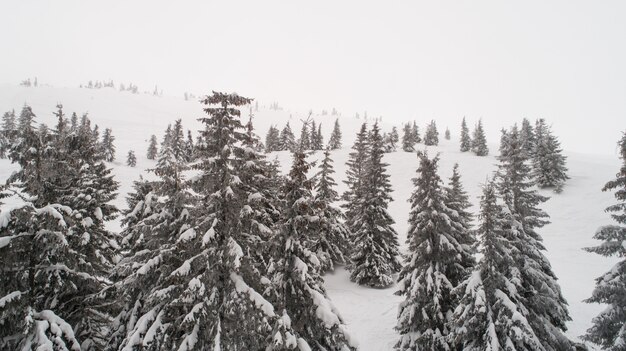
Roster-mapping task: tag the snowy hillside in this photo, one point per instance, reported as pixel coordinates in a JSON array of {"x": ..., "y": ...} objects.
[{"x": 370, "y": 314}]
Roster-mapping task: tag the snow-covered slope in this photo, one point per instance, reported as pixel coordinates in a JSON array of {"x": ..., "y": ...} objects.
[{"x": 370, "y": 313}]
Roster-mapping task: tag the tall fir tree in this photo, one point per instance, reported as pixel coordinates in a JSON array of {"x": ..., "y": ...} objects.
[
  {"x": 535, "y": 273},
  {"x": 300, "y": 292},
  {"x": 479, "y": 141},
  {"x": 466, "y": 141},
  {"x": 527, "y": 134},
  {"x": 8, "y": 133},
  {"x": 355, "y": 176},
  {"x": 490, "y": 315},
  {"x": 331, "y": 242},
  {"x": 415, "y": 133},
  {"x": 549, "y": 170},
  {"x": 440, "y": 257},
  {"x": 431, "y": 137},
  {"x": 375, "y": 256},
  {"x": 335, "y": 137},
  {"x": 165, "y": 143},
  {"x": 272, "y": 140},
  {"x": 152, "y": 148},
  {"x": 609, "y": 327},
  {"x": 190, "y": 148},
  {"x": 447, "y": 134},
  {"x": 304, "y": 143}
]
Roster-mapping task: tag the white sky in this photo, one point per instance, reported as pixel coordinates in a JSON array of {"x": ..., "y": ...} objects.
[{"x": 500, "y": 60}]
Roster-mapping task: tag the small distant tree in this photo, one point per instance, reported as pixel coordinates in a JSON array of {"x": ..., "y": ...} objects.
[
  {"x": 107, "y": 146},
  {"x": 335, "y": 138},
  {"x": 466, "y": 142},
  {"x": 479, "y": 142},
  {"x": 152, "y": 148},
  {"x": 305, "y": 140},
  {"x": 447, "y": 134},
  {"x": 392, "y": 139},
  {"x": 272, "y": 142},
  {"x": 609, "y": 327},
  {"x": 131, "y": 159},
  {"x": 549, "y": 170},
  {"x": 527, "y": 135},
  {"x": 190, "y": 148},
  {"x": 408, "y": 140},
  {"x": 431, "y": 137},
  {"x": 287, "y": 139},
  {"x": 415, "y": 134}
]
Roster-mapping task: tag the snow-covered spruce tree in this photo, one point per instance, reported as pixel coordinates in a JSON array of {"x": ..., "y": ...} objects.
[
  {"x": 391, "y": 143},
  {"x": 26, "y": 119},
  {"x": 375, "y": 254},
  {"x": 166, "y": 138},
  {"x": 159, "y": 211},
  {"x": 287, "y": 139},
  {"x": 300, "y": 294},
  {"x": 313, "y": 136},
  {"x": 335, "y": 138},
  {"x": 415, "y": 134},
  {"x": 466, "y": 142},
  {"x": 431, "y": 137},
  {"x": 447, "y": 134},
  {"x": 304, "y": 142},
  {"x": 272, "y": 140},
  {"x": 549, "y": 170},
  {"x": 74, "y": 122},
  {"x": 190, "y": 148},
  {"x": 609, "y": 327},
  {"x": 527, "y": 135},
  {"x": 58, "y": 241},
  {"x": 440, "y": 257},
  {"x": 152, "y": 148},
  {"x": 489, "y": 315},
  {"x": 408, "y": 140},
  {"x": 330, "y": 243},
  {"x": 479, "y": 142},
  {"x": 131, "y": 159},
  {"x": 355, "y": 176},
  {"x": 8, "y": 133},
  {"x": 535, "y": 273},
  {"x": 108, "y": 149},
  {"x": 318, "y": 142},
  {"x": 457, "y": 200}
]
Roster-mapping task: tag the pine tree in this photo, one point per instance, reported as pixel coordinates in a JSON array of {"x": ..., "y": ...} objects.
[
  {"x": 295, "y": 274},
  {"x": 527, "y": 135},
  {"x": 313, "y": 136},
  {"x": 479, "y": 142},
  {"x": 447, "y": 134},
  {"x": 108, "y": 149},
  {"x": 287, "y": 139},
  {"x": 489, "y": 315},
  {"x": 318, "y": 142},
  {"x": 408, "y": 139},
  {"x": 440, "y": 257},
  {"x": 58, "y": 265},
  {"x": 131, "y": 159},
  {"x": 165, "y": 143},
  {"x": 549, "y": 170},
  {"x": 609, "y": 327},
  {"x": 305, "y": 141},
  {"x": 355, "y": 176},
  {"x": 466, "y": 142},
  {"x": 415, "y": 134},
  {"x": 189, "y": 147},
  {"x": 375, "y": 255},
  {"x": 74, "y": 122},
  {"x": 272, "y": 140},
  {"x": 331, "y": 242},
  {"x": 431, "y": 137},
  {"x": 152, "y": 148},
  {"x": 335, "y": 138},
  {"x": 8, "y": 134},
  {"x": 535, "y": 272}
]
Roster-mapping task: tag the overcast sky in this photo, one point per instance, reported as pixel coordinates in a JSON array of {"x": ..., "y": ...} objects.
[{"x": 499, "y": 60}]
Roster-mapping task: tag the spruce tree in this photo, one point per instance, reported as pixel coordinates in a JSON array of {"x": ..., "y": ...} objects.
[
  {"x": 272, "y": 140},
  {"x": 440, "y": 257},
  {"x": 355, "y": 176},
  {"x": 74, "y": 122},
  {"x": 535, "y": 273},
  {"x": 301, "y": 297},
  {"x": 609, "y": 327},
  {"x": 313, "y": 136},
  {"x": 331, "y": 242},
  {"x": 318, "y": 142},
  {"x": 479, "y": 141},
  {"x": 489, "y": 315},
  {"x": 393, "y": 139},
  {"x": 375, "y": 255},
  {"x": 431, "y": 137},
  {"x": 165, "y": 143},
  {"x": 549, "y": 170},
  {"x": 304, "y": 143},
  {"x": 408, "y": 139},
  {"x": 335, "y": 138},
  {"x": 287, "y": 139},
  {"x": 466, "y": 142},
  {"x": 26, "y": 119},
  {"x": 447, "y": 134},
  {"x": 108, "y": 148},
  {"x": 131, "y": 159},
  {"x": 527, "y": 134},
  {"x": 152, "y": 148},
  {"x": 415, "y": 134},
  {"x": 190, "y": 148}
]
